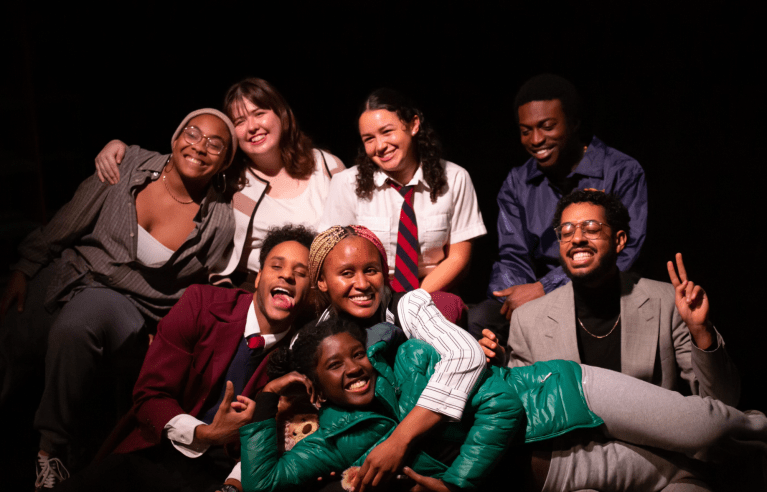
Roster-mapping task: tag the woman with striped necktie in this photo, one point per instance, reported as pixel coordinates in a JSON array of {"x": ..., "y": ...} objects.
[{"x": 423, "y": 208}]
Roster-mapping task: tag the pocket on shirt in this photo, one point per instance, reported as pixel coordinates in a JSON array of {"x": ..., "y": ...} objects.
[
  {"x": 380, "y": 226},
  {"x": 433, "y": 234}
]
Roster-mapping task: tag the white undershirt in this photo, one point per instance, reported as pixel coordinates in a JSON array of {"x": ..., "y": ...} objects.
[{"x": 150, "y": 251}]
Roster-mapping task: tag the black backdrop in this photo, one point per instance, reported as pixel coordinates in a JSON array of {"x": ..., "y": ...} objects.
[{"x": 680, "y": 88}]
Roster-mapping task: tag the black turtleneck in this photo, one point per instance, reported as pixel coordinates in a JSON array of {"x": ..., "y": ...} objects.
[{"x": 598, "y": 309}]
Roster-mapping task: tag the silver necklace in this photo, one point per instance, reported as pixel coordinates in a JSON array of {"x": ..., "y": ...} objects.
[{"x": 599, "y": 336}]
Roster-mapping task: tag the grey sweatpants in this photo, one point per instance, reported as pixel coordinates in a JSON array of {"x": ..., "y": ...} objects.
[
  {"x": 618, "y": 466},
  {"x": 648, "y": 416}
]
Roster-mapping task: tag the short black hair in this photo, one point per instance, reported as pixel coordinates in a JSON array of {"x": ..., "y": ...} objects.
[
  {"x": 616, "y": 213},
  {"x": 303, "y": 356},
  {"x": 546, "y": 87},
  {"x": 278, "y": 235}
]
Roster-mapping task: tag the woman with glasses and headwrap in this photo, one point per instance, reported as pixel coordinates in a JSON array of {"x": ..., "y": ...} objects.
[
  {"x": 284, "y": 179},
  {"x": 91, "y": 285}
]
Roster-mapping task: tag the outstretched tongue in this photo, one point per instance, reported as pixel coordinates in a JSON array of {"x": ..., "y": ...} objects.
[{"x": 283, "y": 301}]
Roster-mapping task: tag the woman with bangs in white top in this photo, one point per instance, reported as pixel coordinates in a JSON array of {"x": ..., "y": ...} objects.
[
  {"x": 400, "y": 149},
  {"x": 285, "y": 180}
]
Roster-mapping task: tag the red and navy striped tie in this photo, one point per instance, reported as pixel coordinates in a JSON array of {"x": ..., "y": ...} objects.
[{"x": 406, "y": 265}]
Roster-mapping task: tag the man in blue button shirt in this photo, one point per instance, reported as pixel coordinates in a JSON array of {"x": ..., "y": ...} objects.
[{"x": 563, "y": 159}]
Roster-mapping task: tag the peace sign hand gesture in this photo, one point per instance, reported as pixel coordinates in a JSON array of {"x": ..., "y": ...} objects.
[{"x": 692, "y": 304}]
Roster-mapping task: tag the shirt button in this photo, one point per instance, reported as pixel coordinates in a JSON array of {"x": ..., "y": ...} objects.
[{"x": 131, "y": 234}]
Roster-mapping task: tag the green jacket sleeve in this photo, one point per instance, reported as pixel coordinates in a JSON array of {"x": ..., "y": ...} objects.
[
  {"x": 494, "y": 409},
  {"x": 264, "y": 468}
]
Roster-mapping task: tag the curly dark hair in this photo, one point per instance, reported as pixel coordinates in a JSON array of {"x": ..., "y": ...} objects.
[
  {"x": 429, "y": 151},
  {"x": 295, "y": 146},
  {"x": 278, "y": 235},
  {"x": 304, "y": 355},
  {"x": 546, "y": 87},
  {"x": 616, "y": 214}
]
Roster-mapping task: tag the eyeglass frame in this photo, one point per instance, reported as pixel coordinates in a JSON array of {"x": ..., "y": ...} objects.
[
  {"x": 203, "y": 136},
  {"x": 579, "y": 225}
]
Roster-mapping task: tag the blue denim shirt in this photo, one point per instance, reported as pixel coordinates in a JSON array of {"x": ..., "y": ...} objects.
[{"x": 528, "y": 247}]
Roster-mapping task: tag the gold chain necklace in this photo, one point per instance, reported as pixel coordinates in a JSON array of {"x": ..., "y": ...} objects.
[
  {"x": 599, "y": 336},
  {"x": 168, "y": 189}
]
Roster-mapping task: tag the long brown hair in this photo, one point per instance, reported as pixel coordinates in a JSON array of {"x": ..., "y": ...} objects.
[{"x": 295, "y": 146}]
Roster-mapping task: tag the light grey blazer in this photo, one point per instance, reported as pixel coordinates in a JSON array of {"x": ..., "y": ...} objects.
[{"x": 656, "y": 346}]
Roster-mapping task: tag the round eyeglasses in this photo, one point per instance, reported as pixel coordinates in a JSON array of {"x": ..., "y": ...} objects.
[
  {"x": 589, "y": 228},
  {"x": 194, "y": 135}
]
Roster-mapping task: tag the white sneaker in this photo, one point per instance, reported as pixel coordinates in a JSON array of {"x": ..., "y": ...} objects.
[{"x": 50, "y": 471}]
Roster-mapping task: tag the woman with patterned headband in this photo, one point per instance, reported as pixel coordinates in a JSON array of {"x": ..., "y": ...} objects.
[{"x": 348, "y": 267}]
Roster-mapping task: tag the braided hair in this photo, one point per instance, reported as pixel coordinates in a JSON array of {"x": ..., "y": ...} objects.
[{"x": 327, "y": 240}]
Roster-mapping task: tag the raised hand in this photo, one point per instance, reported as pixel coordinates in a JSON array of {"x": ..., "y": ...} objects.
[
  {"x": 279, "y": 384},
  {"x": 108, "y": 159},
  {"x": 494, "y": 351},
  {"x": 231, "y": 415},
  {"x": 692, "y": 303}
]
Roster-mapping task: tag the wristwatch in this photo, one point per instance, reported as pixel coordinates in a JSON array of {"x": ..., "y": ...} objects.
[{"x": 227, "y": 487}]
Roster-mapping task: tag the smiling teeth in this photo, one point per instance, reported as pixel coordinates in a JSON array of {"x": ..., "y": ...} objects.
[
  {"x": 258, "y": 139},
  {"x": 361, "y": 298},
  {"x": 358, "y": 384},
  {"x": 193, "y": 160},
  {"x": 280, "y": 290},
  {"x": 582, "y": 255}
]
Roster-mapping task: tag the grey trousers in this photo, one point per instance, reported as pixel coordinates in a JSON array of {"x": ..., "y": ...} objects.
[
  {"x": 640, "y": 413},
  {"x": 71, "y": 343},
  {"x": 649, "y": 417},
  {"x": 618, "y": 466}
]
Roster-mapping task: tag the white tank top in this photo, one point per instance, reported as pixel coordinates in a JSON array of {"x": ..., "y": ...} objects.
[
  {"x": 305, "y": 209},
  {"x": 150, "y": 251}
]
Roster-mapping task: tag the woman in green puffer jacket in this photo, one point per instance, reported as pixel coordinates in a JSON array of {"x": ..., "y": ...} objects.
[{"x": 367, "y": 397}]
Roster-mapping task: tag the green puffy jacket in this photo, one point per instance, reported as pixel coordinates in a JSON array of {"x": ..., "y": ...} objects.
[{"x": 490, "y": 420}]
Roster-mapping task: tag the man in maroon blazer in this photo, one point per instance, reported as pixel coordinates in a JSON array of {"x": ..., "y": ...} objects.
[{"x": 213, "y": 345}]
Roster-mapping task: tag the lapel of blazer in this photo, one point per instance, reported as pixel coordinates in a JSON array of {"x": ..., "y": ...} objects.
[
  {"x": 640, "y": 318},
  {"x": 226, "y": 335},
  {"x": 557, "y": 324}
]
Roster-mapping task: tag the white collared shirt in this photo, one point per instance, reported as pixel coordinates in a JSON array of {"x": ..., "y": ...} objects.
[{"x": 453, "y": 218}]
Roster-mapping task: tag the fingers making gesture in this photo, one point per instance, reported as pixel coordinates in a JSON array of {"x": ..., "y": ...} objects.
[
  {"x": 232, "y": 414},
  {"x": 692, "y": 304}
]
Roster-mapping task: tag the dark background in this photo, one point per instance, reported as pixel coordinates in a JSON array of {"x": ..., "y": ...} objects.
[{"x": 680, "y": 88}]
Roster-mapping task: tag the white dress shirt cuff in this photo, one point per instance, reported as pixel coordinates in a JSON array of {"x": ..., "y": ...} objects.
[
  {"x": 236, "y": 473},
  {"x": 180, "y": 431},
  {"x": 443, "y": 400}
]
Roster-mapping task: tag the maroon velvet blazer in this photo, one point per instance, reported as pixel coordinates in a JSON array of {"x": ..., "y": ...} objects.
[{"x": 187, "y": 363}]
